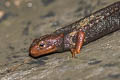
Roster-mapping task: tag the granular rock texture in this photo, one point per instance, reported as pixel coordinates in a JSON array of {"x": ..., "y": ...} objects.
[{"x": 23, "y": 20}]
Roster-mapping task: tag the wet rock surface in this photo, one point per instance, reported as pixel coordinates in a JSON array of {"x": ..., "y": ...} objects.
[{"x": 23, "y": 20}]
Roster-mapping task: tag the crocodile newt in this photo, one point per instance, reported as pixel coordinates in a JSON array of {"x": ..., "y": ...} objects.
[{"x": 73, "y": 36}]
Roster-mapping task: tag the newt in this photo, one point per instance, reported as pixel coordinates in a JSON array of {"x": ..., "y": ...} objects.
[{"x": 73, "y": 36}]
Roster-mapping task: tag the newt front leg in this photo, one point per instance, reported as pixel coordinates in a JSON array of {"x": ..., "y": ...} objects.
[{"x": 79, "y": 43}]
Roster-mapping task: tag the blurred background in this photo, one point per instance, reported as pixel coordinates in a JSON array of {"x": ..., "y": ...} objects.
[{"x": 21, "y": 21}]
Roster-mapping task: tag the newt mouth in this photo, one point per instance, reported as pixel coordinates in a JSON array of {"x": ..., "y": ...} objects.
[{"x": 35, "y": 51}]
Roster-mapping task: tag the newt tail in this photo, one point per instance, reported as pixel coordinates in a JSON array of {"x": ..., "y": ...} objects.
[{"x": 72, "y": 37}]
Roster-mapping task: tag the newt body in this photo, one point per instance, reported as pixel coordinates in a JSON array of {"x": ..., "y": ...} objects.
[{"x": 74, "y": 36}]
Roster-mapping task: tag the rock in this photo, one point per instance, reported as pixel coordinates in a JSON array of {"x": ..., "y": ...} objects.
[{"x": 2, "y": 13}]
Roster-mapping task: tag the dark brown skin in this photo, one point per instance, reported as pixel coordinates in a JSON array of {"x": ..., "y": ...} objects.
[{"x": 79, "y": 33}]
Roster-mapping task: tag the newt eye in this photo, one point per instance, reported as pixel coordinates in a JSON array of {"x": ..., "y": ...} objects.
[{"x": 42, "y": 44}]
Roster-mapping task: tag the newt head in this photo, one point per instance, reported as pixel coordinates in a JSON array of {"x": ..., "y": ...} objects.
[{"x": 46, "y": 44}]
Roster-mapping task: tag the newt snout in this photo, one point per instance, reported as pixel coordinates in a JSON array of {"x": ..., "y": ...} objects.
[{"x": 44, "y": 45}]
